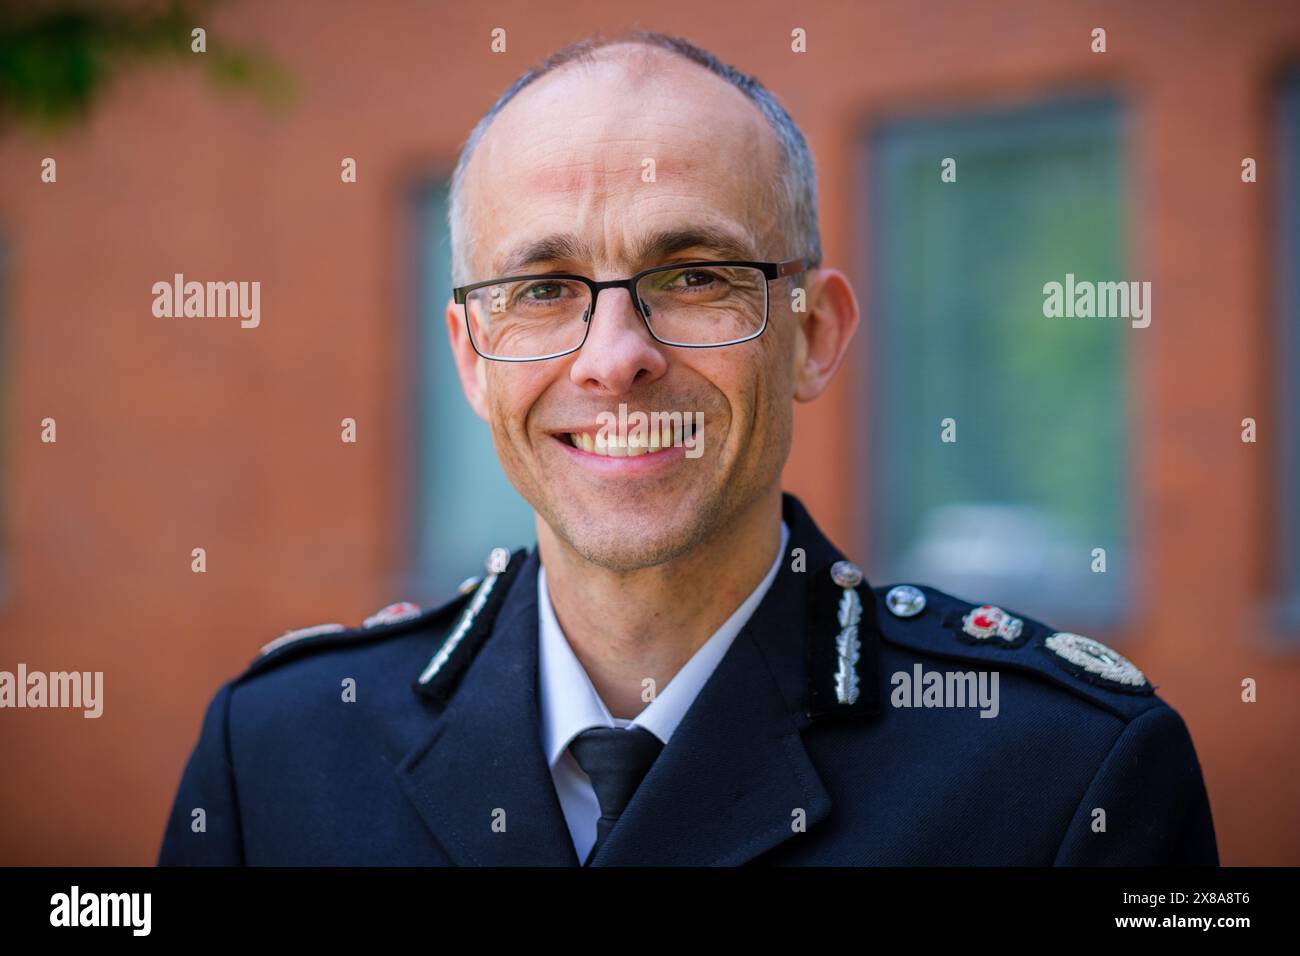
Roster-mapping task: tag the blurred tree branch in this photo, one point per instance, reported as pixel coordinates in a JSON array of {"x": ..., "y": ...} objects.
[{"x": 58, "y": 58}]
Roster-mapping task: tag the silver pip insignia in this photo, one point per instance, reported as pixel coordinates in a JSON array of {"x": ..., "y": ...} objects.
[{"x": 986, "y": 621}]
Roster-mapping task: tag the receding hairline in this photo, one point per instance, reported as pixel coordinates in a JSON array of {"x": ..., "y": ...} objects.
[
  {"x": 656, "y": 53},
  {"x": 643, "y": 61},
  {"x": 626, "y": 54}
]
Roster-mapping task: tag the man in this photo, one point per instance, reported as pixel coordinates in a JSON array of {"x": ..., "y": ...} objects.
[{"x": 684, "y": 670}]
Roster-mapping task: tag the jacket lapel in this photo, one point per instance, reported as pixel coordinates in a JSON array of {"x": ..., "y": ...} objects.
[
  {"x": 733, "y": 782},
  {"x": 480, "y": 781},
  {"x": 735, "y": 779}
]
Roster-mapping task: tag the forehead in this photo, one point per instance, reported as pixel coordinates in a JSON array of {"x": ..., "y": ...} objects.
[{"x": 613, "y": 152}]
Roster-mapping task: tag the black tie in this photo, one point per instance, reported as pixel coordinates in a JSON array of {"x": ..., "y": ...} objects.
[{"x": 616, "y": 759}]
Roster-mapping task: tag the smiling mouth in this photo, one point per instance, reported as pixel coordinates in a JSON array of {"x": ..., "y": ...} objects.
[{"x": 629, "y": 446}]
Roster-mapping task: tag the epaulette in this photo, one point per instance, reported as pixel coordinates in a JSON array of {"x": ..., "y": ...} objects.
[
  {"x": 390, "y": 621},
  {"x": 931, "y": 621}
]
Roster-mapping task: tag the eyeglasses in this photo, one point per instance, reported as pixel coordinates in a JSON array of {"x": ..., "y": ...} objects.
[{"x": 687, "y": 304}]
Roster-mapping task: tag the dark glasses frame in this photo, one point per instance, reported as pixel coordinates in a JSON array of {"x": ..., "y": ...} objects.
[{"x": 770, "y": 270}]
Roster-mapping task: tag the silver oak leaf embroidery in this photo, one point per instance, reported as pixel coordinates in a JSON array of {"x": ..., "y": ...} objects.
[{"x": 848, "y": 647}]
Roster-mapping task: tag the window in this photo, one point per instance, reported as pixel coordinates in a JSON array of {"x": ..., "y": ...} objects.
[
  {"x": 463, "y": 506},
  {"x": 1011, "y": 512}
]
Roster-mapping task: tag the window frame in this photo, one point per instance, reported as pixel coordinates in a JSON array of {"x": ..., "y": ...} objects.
[{"x": 884, "y": 148}]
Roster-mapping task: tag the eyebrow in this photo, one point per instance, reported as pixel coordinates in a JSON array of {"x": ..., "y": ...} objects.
[{"x": 650, "y": 249}]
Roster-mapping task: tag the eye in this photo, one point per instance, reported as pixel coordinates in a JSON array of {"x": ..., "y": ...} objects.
[
  {"x": 687, "y": 279},
  {"x": 543, "y": 291}
]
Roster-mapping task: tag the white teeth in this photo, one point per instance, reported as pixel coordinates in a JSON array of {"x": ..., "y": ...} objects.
[{"x": 635, "y": 444}]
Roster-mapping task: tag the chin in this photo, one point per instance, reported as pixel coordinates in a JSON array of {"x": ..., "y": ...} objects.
[{"x": 620, "y": 541}]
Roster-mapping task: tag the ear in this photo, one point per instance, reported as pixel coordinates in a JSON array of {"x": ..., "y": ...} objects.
[
  {"x": 469, "y": 364},
  {"x": 825, "y": 329}
]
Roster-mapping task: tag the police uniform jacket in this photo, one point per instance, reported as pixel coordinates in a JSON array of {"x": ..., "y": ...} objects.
[{"x": 797, "y": 751}]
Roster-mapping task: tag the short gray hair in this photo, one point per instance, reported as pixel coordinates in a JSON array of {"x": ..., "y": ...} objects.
[{"x": 794, "y": 193}]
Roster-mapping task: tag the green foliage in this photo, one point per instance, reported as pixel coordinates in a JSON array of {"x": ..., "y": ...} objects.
[{"x": 58, "y": 59}]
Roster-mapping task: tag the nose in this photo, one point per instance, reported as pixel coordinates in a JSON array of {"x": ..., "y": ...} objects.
[{"x": 619, "y": 351}]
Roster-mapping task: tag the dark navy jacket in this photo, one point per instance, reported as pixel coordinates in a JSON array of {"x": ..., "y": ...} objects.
[{"x": 766, "y": 766}]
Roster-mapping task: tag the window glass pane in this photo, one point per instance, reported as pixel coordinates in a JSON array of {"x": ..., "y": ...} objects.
[
  {"x": 464, "y": 505},
  {"x": 1011, "y": 511}
]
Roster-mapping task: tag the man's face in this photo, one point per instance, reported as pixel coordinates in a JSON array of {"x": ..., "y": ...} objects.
[{"x": 569, "y": 156}]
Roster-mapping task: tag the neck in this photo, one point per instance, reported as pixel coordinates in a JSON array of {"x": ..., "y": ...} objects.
[{"x": 627, "y": 626}]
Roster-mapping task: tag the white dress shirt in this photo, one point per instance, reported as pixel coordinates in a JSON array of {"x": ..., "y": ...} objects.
[{"x": 570, "y": 704}]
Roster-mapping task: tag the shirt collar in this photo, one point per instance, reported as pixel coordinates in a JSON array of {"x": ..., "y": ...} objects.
[{"x": 569, "y": 702}]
